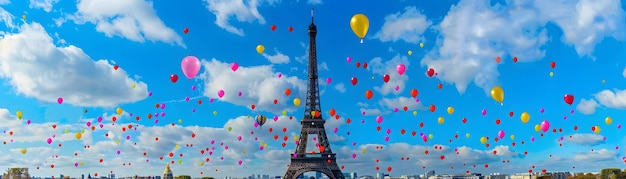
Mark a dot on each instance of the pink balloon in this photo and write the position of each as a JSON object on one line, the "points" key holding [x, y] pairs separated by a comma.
{"points": [[100, 119], [193, 88], [186, 99], [240, 162], [240, 93], [397, 88], [60, 100], [220, 93], [353, 155], [379, 119], [149, 93], [401, 69], [532, 139], [88, 123], [545, 125], [501, 134], [484, 112], [619, 126], [28, 121], [388, 131], [386, 138], [49, 140], [190, 66], [280, 75], [234, 66], [335, 130], [349, 59], [541, 110]]}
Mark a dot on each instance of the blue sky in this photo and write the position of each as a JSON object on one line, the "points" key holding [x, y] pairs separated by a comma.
{"points": [[68, 49]]}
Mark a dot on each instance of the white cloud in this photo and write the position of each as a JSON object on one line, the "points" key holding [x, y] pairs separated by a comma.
{"points": [[377, 67], [472, 35], [585, 23], [277, 58], [46, 5], [37, 68], [7, 18], [401, 102], [612, 99], [259, 86], [596, 155], [408, 26], [241, 10], [340, 87], [4, 2], [373, 112], [314, 2], [323, 67], [38, 132], [585, 139], [587, 106], [135, 20]]}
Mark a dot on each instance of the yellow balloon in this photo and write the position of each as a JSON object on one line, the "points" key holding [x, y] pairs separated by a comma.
{"points": [[410, 52], [177, 146], [201, 163], [597, 130], [440, 120], [415, 113], [421, 44], [230, 129], [78, 135], [551, 74], [248, 116], [180, 161], [483, 140], [537, 127], [119, 111], [296, 101], [23, 150], [512, 137], [284, 113], [467, 135], [360, 24], [497, 94], [525, 117], [133, 86], [82, 163], [450, 110], [66, 131], [608, 120], [603, 81], [82, 131], [430, 136], [215, 113], [180, 121], [260, 49], [295, 138], [19, 114], [265, 145], [312, 113], [244, 151], [363, 151], [117, 142]]}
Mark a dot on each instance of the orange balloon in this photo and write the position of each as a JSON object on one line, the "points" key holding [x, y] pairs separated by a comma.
{"points": [[432, 108], [332, 112], [498, 59], [287, 92], [414, 93], [369, 94], [439, 86]]}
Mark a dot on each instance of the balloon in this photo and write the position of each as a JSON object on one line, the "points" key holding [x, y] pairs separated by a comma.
{"points": [[220, 93], [552, 64], [215, 113], [133, 86], [400, 69], [410, 52], [501, 134], [230, 129], [569, 99], [512, 137], [349, 59], [328, 80], [369, 94], [19, 114], [497, 94], [78, 136], [440, 120], [354, 80], [430, 136], [260, 49], [174, 78], [359, 24], [287, 92], [379, 119], [450, 110], [545, 125], [467, 135], [551, 74], [430, 72], [484, 112], [296, 102], [60, 100], [525, 117], [49, 140], [483, 140], [234, 66], [414, 113], [608, 120], [597, 129], [119, 111], [190, 66], [421, 44], [537, 127], [23, 150], [414, 93]]}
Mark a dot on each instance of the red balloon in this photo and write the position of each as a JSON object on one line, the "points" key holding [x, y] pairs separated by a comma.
{"points": [[186, 30], [388, 169], [174, 78], [273, 27], [354, 80], [290, 29], [414, 93], [369, 94], [116, 67], [515, 59], [430, 72], [552, 64], [358, 64], [569, 99], [386, 78], [364, 65]]}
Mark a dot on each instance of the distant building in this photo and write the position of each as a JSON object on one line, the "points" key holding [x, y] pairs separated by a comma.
{"points": [[469, 176], [557, 175], [497, 176], [167, 173]]}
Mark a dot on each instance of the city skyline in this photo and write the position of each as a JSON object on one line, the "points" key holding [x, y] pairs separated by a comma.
{"points": [[88, 86]]}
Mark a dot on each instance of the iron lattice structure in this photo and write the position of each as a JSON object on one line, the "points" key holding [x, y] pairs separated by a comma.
{"points": [[312, 123]]}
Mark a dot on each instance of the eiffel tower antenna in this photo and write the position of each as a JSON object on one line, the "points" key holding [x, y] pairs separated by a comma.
{"points": [[323, 161], [312, 9]]}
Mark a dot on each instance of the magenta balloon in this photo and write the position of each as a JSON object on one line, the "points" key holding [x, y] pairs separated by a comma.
{"points": [[501, 134], [60, 100], [401, 69], [545, 125], [190, 66], [234, 66]]}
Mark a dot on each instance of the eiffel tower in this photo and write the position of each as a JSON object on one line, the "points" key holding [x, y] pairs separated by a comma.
{"points": [[312, 123]]}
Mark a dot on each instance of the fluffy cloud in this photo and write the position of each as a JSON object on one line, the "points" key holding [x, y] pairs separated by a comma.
{"points": [[608, 98], [135, 20], [259, 85], [401, 102], [407, 26], [372, 112], [37, 68], [3, 2], [277, 58], [341, 87], [377, 67], [585, 139], [587, 106], [314, 2], [6, 17], [472, 35], [596, 155], [37, 132], [241, 10], [46, 5]]}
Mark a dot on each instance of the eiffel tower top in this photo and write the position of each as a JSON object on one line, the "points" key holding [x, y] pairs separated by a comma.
{"points": [[312, 108]]}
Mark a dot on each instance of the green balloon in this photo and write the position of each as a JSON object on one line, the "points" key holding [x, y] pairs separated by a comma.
{"points": [[230, 129]]}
